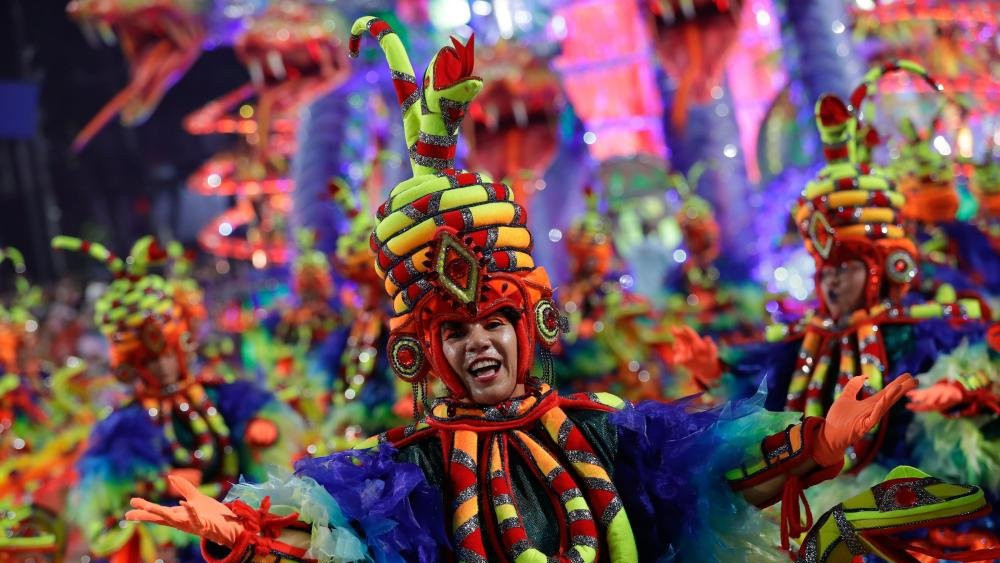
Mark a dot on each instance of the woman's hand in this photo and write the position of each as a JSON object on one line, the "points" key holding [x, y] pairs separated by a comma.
{"points": [[696, 354], [849, 418], [197, 514], [188, 474], [939, 397]]}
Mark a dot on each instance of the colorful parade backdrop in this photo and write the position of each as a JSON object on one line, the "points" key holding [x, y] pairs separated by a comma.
{"points": [[658, 147]]}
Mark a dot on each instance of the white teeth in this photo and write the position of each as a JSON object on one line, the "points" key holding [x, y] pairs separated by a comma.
{"points": [[107, 34], [276, 65], [90, 34], [256, 72], [520, 113], [484, 364]]}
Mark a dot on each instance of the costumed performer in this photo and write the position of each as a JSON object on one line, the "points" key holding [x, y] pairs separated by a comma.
{"points": [[204, 433]]}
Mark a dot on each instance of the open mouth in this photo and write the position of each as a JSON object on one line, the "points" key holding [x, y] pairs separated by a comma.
{"points": [[485, 369], [159, 44]]}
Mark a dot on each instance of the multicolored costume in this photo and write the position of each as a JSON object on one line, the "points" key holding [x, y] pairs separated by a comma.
{"points": [[209, 432], [365, 394], [537, 477], [851, 212], [21, 378], [700, 297]]}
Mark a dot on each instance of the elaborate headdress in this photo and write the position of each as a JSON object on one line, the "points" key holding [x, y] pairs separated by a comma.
{"points": [[311, 269], [137, 312], [449, 244], [926, 177], [696, 219], [589, 238], [850, 211], [353, 253], [183, 287]]}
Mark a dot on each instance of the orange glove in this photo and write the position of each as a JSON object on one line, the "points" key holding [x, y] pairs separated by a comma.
{"points": [[260, 433], [695, 353], [198, 514], [849, 418], [939, 397]]}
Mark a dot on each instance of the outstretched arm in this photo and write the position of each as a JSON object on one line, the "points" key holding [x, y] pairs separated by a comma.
{"points": [[230, 533], [812, 451]]}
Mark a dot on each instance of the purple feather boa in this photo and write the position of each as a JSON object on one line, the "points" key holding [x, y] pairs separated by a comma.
{"points": [[400, 513], [123, 445], [673, 458]]}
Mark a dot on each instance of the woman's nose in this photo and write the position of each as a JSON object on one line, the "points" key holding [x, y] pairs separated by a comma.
{"points": [[478, 339]]}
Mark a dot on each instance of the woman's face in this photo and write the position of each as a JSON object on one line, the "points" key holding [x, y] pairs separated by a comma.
{"points": [[843, 287], [484, 355]]}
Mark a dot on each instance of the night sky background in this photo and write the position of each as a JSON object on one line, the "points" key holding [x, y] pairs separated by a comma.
{"points": [[129, 181]]}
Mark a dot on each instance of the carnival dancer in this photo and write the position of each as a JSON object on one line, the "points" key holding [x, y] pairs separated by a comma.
{"points": [[866, 324], [294, 345], [520, 472], [207, 434], [365, 396]]}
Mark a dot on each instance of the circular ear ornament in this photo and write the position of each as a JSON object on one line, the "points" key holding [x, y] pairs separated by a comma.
{"points": [[547, 321], [152, 337], [407, 358], [900, 267], [126, 373]]}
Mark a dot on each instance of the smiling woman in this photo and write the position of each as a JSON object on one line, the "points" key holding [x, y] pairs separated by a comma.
{"points": [[484, 355]]}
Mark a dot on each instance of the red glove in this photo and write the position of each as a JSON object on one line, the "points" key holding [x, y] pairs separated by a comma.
{"points": [[849, 418], [940, 397], [695, 353]]}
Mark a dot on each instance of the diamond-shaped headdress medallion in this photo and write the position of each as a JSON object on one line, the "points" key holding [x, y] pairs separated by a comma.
{"points": [[821, 234], [457, 269]]}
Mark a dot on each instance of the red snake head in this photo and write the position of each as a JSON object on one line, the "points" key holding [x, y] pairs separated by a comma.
{"points": [[160, 40]]}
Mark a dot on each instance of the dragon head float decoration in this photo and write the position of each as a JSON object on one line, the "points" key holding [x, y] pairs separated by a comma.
{"points": [[160, 40], [513, 131], [691, 39]]}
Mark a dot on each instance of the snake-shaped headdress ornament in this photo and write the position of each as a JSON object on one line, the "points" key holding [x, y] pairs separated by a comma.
{"points": [[450, 245]]}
